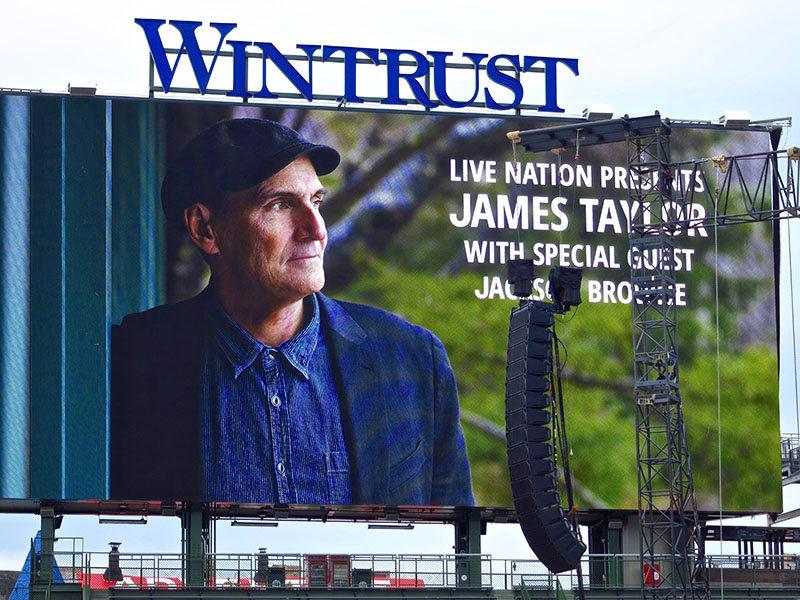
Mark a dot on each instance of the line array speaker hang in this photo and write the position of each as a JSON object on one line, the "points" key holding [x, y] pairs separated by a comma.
{"points": [[531, 463]]}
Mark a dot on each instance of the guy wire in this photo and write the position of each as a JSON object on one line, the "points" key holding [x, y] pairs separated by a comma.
{"points": [[719, 386], [794, 339], [514, 159]]}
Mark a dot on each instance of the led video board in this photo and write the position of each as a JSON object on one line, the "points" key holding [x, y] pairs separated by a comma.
{"points": [[421, 215]]}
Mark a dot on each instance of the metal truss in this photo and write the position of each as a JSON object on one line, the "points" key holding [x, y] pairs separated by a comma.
{"points": [[748, 188], [671, 549]]}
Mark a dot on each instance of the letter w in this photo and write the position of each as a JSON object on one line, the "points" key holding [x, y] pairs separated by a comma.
{"points": [[475, 251], [187, 30]]}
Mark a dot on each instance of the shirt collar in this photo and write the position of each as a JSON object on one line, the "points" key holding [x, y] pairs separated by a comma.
{"points": [[241, 349]]}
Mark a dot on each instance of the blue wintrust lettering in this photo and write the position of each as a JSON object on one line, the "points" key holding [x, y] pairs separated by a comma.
{"points": [[405, 70]]}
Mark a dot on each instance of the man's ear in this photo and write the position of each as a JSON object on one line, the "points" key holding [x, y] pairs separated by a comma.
{"points": [[197, 218]]}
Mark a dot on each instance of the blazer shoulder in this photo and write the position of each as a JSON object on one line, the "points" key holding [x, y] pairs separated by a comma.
{"points": [[372, 320], [165, 320]]}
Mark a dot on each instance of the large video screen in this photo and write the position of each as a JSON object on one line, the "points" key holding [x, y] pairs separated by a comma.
{"points": [[403, 405]]}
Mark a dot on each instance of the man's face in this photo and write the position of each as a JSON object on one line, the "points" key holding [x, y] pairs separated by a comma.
{"points": [[271, 237]]}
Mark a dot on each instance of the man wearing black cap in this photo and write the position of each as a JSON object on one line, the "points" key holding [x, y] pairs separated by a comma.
{"points": [[262, 389]]}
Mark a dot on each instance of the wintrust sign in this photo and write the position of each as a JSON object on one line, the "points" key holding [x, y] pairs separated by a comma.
{"points": [[496, 85]]}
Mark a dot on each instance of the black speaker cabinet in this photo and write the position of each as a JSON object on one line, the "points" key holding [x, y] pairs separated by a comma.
{"points": [[528, 439]]}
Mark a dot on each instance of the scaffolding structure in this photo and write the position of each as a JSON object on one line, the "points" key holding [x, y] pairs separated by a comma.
{"points": [[671, 544], [667, 507]]}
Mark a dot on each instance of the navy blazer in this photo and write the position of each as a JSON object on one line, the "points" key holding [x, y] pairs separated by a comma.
{"points": [[397, 393]]}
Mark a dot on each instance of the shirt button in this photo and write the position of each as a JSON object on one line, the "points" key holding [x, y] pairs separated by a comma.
{"points": [[275, 401], [281, 468]]}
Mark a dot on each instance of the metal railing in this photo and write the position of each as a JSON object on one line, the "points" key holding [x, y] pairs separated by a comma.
{"points": [[790, 454], [599, 571]]}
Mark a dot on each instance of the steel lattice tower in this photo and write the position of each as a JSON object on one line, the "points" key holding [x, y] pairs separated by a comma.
{"points": [[670, 544]]}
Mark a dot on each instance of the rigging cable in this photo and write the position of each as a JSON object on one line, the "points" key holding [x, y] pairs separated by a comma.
{"points": [[558, 155], [514, 159], [719, 386], [791, 182], [793, 310], [560, 425], [559, 422]]}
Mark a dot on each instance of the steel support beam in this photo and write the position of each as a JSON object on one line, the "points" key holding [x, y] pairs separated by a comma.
{"points": [[196, 542], [468, 542]]}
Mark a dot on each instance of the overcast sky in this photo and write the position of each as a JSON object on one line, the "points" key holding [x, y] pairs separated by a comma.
{"points": [[688, 59], [691, 60]]}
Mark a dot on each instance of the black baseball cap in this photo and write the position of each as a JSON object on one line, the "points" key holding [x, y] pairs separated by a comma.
{"points": [[235, 155]]}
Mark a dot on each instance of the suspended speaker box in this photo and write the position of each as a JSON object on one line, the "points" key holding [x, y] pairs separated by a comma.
{"points": [[534, 482]]}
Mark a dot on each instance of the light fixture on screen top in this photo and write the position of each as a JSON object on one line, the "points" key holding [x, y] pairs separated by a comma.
{"points": [[82, 88], [735, 118], [122, 521], [598, 112], [253, 523]]}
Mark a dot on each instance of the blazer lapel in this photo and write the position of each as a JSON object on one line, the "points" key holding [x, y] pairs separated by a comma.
{"points": [[364, 418]]}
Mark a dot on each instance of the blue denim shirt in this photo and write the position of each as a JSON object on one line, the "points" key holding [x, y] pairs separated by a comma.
{"points": [[272, 426]]}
